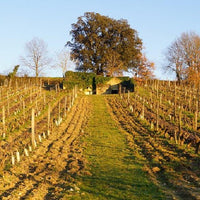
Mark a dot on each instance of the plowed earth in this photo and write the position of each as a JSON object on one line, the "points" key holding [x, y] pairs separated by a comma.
{"points": [[103, 151], [49, 171]]}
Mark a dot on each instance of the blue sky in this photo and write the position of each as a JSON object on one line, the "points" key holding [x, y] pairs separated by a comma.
{"points": [[158, 22]]}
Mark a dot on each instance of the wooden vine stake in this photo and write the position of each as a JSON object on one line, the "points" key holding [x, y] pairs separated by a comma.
{"points": [[65, 106], [157, 116], [185, 93], [151, 96], [175, 102], [3, 119], [13, 159], [142, 112], [120, 90], [189, 102], [124, 91], [16, 84], [44, 135], [26, 152], [180, 123], [40, 87], [39, 138], [197, 111], [24, 110], [134, 103], [157, 89], [17, 156], [33, 128], [128, 96], [48, 120], [73, 92], [29, 148], [152, 126], [36, 104], [56, 88], [7, 95], [44, 98], [160, 99], [76, 88], [195, 117], [59, 111], [8, 107], [69, 107], [31, 95], [71, 101]]}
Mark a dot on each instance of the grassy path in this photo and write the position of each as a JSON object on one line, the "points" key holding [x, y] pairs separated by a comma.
{"points": [[116, 172]]}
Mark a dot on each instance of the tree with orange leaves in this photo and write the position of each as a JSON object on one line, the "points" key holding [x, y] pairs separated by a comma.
{"points": [[145, 68]]}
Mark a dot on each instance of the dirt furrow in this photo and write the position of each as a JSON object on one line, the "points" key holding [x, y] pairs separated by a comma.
{"points": [[160, 157], [42, 171]]}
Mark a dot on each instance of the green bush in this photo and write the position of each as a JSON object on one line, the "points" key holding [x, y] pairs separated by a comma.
{"points": [[84, 80], [101, 80]]}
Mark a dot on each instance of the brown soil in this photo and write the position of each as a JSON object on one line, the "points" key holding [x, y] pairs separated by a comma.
{"points": [[170, 165], [50, 171]]}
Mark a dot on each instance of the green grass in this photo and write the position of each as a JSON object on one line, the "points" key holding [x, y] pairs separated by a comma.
{"points": [[116, 172]]}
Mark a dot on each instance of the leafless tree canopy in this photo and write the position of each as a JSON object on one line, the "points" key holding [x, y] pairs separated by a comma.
{"points": [[175, 55], [63, 60], [183, 57], [36, 56]]}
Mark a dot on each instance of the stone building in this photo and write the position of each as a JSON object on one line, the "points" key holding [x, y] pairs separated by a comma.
{"points": [[111, 87]]}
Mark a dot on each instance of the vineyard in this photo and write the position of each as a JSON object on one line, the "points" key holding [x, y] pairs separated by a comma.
{"points": [[162, 119], [48, 143], [38, 134]]}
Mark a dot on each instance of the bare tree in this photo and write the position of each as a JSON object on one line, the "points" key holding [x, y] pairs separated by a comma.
{"points": [[191, 44], [63, 60], [36, 56], [183, 57], [174, 56]]}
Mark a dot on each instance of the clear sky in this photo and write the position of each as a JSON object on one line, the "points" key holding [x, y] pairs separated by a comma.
{"points": [[158, 22]]}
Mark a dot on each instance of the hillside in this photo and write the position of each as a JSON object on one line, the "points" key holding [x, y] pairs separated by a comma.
{"points": [[61, 144]]}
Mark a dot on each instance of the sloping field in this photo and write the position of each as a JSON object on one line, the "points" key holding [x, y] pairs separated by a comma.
{"points": [[48, 172], [117, 171], [105, 147]]}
